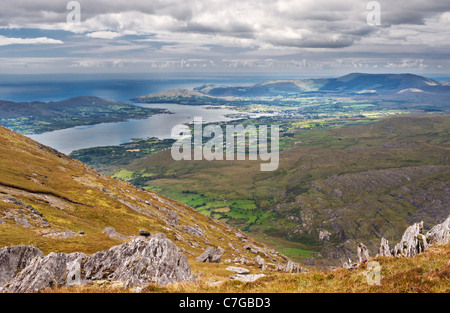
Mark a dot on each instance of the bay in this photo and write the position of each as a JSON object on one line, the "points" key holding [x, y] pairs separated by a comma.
{"points": [[112, 134]]}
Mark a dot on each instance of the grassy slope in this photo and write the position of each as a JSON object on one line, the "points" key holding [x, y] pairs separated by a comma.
{"points": [[72, 196]]}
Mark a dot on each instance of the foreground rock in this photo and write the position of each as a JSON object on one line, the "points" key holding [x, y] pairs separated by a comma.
{"points": [[247, 278], [293, 267], [46, 272], [140, 262], [135, 263], [13, 259], [413, 242], [211, 254], [439, 234], [238, 270]]}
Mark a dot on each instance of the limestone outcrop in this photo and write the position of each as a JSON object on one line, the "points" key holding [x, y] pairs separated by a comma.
{"points": [[13, 259], [414, 241], [439, 234], [136, 263]]}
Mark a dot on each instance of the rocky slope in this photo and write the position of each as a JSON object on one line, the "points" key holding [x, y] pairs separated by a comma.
{"points": [[345, 209], [62, 206], [140, 263]]}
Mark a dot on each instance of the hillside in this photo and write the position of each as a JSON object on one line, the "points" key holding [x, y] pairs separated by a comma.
{"points": [[58, 204], [38, 117]]}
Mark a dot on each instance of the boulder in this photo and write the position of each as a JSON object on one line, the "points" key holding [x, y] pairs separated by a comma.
{"points": [[439, 234], [240, 260], [135, 263], [45, 272], [211, 254], [196, 231], [251, 248], [144, 233], [260, 262], [247, 278], [140, 262], [350, 265], [293, 267], [113, 234], [238, 270], [62, 235]]}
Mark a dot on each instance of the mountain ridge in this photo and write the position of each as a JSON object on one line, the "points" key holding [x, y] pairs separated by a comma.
{"points": [[352, 83], [383, 91]]}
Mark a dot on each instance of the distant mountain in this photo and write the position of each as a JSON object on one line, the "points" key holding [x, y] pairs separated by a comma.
{"points": [[351, 83], [385, 91], [37, 117], [358, 82]]}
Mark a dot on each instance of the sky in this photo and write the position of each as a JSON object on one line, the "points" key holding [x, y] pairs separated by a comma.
{"points": [[307, 37]]}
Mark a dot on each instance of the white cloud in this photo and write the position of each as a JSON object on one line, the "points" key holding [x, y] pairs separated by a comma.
{"points": [[445, 18], [104, 35], [5, 41]]}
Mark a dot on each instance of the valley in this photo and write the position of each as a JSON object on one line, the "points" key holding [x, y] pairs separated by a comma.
{"points": [[398, 163]]}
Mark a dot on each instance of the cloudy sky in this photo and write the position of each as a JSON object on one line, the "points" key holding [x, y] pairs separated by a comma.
{"points": [[314, 37]]}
